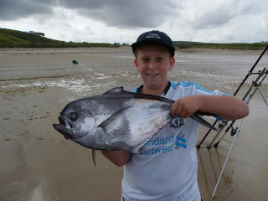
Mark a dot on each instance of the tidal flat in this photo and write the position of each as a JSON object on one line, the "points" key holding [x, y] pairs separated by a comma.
{"points": [[37, 163]]}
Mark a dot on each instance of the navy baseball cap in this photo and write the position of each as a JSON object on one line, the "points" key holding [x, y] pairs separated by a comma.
{"points": [[155, 37]]}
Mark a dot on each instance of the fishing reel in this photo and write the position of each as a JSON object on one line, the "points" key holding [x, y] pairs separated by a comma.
{"points": [[222, 124], [234, 130]]}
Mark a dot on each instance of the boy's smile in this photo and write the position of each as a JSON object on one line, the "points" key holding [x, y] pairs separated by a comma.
{"points": [[153, 62]]}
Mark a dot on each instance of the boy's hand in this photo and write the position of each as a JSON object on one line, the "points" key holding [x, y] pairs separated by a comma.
{"points": [[185, 106]]}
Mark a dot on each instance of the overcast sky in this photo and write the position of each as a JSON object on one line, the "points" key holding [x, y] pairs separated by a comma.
{"points": [[123, 20]]}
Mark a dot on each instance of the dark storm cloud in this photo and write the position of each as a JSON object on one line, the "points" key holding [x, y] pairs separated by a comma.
{"points": [[119, 13], [125, 13], [14, 9]]}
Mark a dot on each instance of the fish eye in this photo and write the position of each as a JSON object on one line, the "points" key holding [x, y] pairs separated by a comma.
{"points": [[73, 116]]}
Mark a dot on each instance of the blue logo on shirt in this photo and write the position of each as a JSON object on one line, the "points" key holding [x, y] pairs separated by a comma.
{"points": [[180, 141]]}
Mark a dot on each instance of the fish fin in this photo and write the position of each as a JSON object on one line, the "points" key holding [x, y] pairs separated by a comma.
{"points": [[202, 121], [120, 90], [152, 97], [115, 90], [94, 157], [105, 124]]}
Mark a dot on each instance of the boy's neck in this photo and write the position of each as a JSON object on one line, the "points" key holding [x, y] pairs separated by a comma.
{"points": [[156, 92]]}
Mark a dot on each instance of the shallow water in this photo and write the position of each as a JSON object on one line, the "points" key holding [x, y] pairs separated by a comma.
{"points": [[38, 164]]}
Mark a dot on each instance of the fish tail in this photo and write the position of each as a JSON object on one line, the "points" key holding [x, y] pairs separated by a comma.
{"points": [[203, 121]]}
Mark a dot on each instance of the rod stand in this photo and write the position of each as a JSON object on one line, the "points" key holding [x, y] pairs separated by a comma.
{"points": [[216, 145], [263, 97], [237, 130]]}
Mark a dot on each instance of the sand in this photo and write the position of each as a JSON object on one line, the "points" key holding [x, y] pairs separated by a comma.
{"points": [[37, 163]]}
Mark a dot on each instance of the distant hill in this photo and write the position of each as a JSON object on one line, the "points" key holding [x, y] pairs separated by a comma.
{"points": [[14, 38], [237, 46]]}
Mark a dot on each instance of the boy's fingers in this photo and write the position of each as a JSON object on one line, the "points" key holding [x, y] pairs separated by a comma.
{"points": [[178, 111], [174, 108], [173, 111], [185, 114]]}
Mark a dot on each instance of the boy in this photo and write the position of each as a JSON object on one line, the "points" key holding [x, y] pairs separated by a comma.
{"points": [[166, 169]]}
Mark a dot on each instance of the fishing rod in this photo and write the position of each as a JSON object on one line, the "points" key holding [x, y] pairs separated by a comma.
{"points": [[250, 71], [235, 93], [254, 85], [221, 126], [224, 123], [236, 131]]}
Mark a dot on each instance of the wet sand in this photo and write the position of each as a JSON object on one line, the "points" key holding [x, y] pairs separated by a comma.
{"points": [[37, 163]]}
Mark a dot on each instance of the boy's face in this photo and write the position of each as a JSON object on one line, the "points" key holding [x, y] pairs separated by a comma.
{"points": [[153, 62]]}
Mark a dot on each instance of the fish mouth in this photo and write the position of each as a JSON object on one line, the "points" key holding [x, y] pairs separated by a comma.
{"points": [[64, 127]]}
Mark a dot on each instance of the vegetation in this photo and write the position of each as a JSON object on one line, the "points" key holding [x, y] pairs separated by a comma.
{"points": [[14, 38], [236, 46]]}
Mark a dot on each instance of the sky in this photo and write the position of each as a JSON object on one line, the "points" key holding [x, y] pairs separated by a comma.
{"points": [[122, 21]]}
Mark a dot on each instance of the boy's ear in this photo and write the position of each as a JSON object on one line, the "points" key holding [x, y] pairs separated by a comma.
{"points": [[136, 64], [171, 63]]}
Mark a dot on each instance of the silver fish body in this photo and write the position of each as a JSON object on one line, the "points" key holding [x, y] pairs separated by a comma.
{"points": [[116, 120]]}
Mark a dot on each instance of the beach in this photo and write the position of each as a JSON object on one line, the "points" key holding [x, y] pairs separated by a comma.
{"points": [[37, 163]]}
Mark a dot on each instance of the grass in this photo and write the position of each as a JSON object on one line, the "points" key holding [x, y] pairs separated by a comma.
{"points": [[14, 38], [235, 46]]}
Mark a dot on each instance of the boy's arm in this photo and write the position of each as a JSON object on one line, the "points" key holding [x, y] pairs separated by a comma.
{"points": [[119, 158], [228, 107]]}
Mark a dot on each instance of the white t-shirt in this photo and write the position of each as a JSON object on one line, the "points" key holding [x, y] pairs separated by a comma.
{"points": [[166, 168]]}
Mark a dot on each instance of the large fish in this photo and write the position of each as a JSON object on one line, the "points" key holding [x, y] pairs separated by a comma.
{"points": [[116, 120]]}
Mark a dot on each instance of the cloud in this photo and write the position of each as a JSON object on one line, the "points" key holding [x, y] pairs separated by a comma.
{"points": [[123, 20], [125, 13], [14, 9], [117, 13], [213, 14]]}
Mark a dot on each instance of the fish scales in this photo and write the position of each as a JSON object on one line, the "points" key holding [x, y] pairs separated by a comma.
{"points": [[116, 120]]}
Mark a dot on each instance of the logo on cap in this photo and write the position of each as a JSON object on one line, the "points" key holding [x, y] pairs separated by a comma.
{"points": [[153, 35]]}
